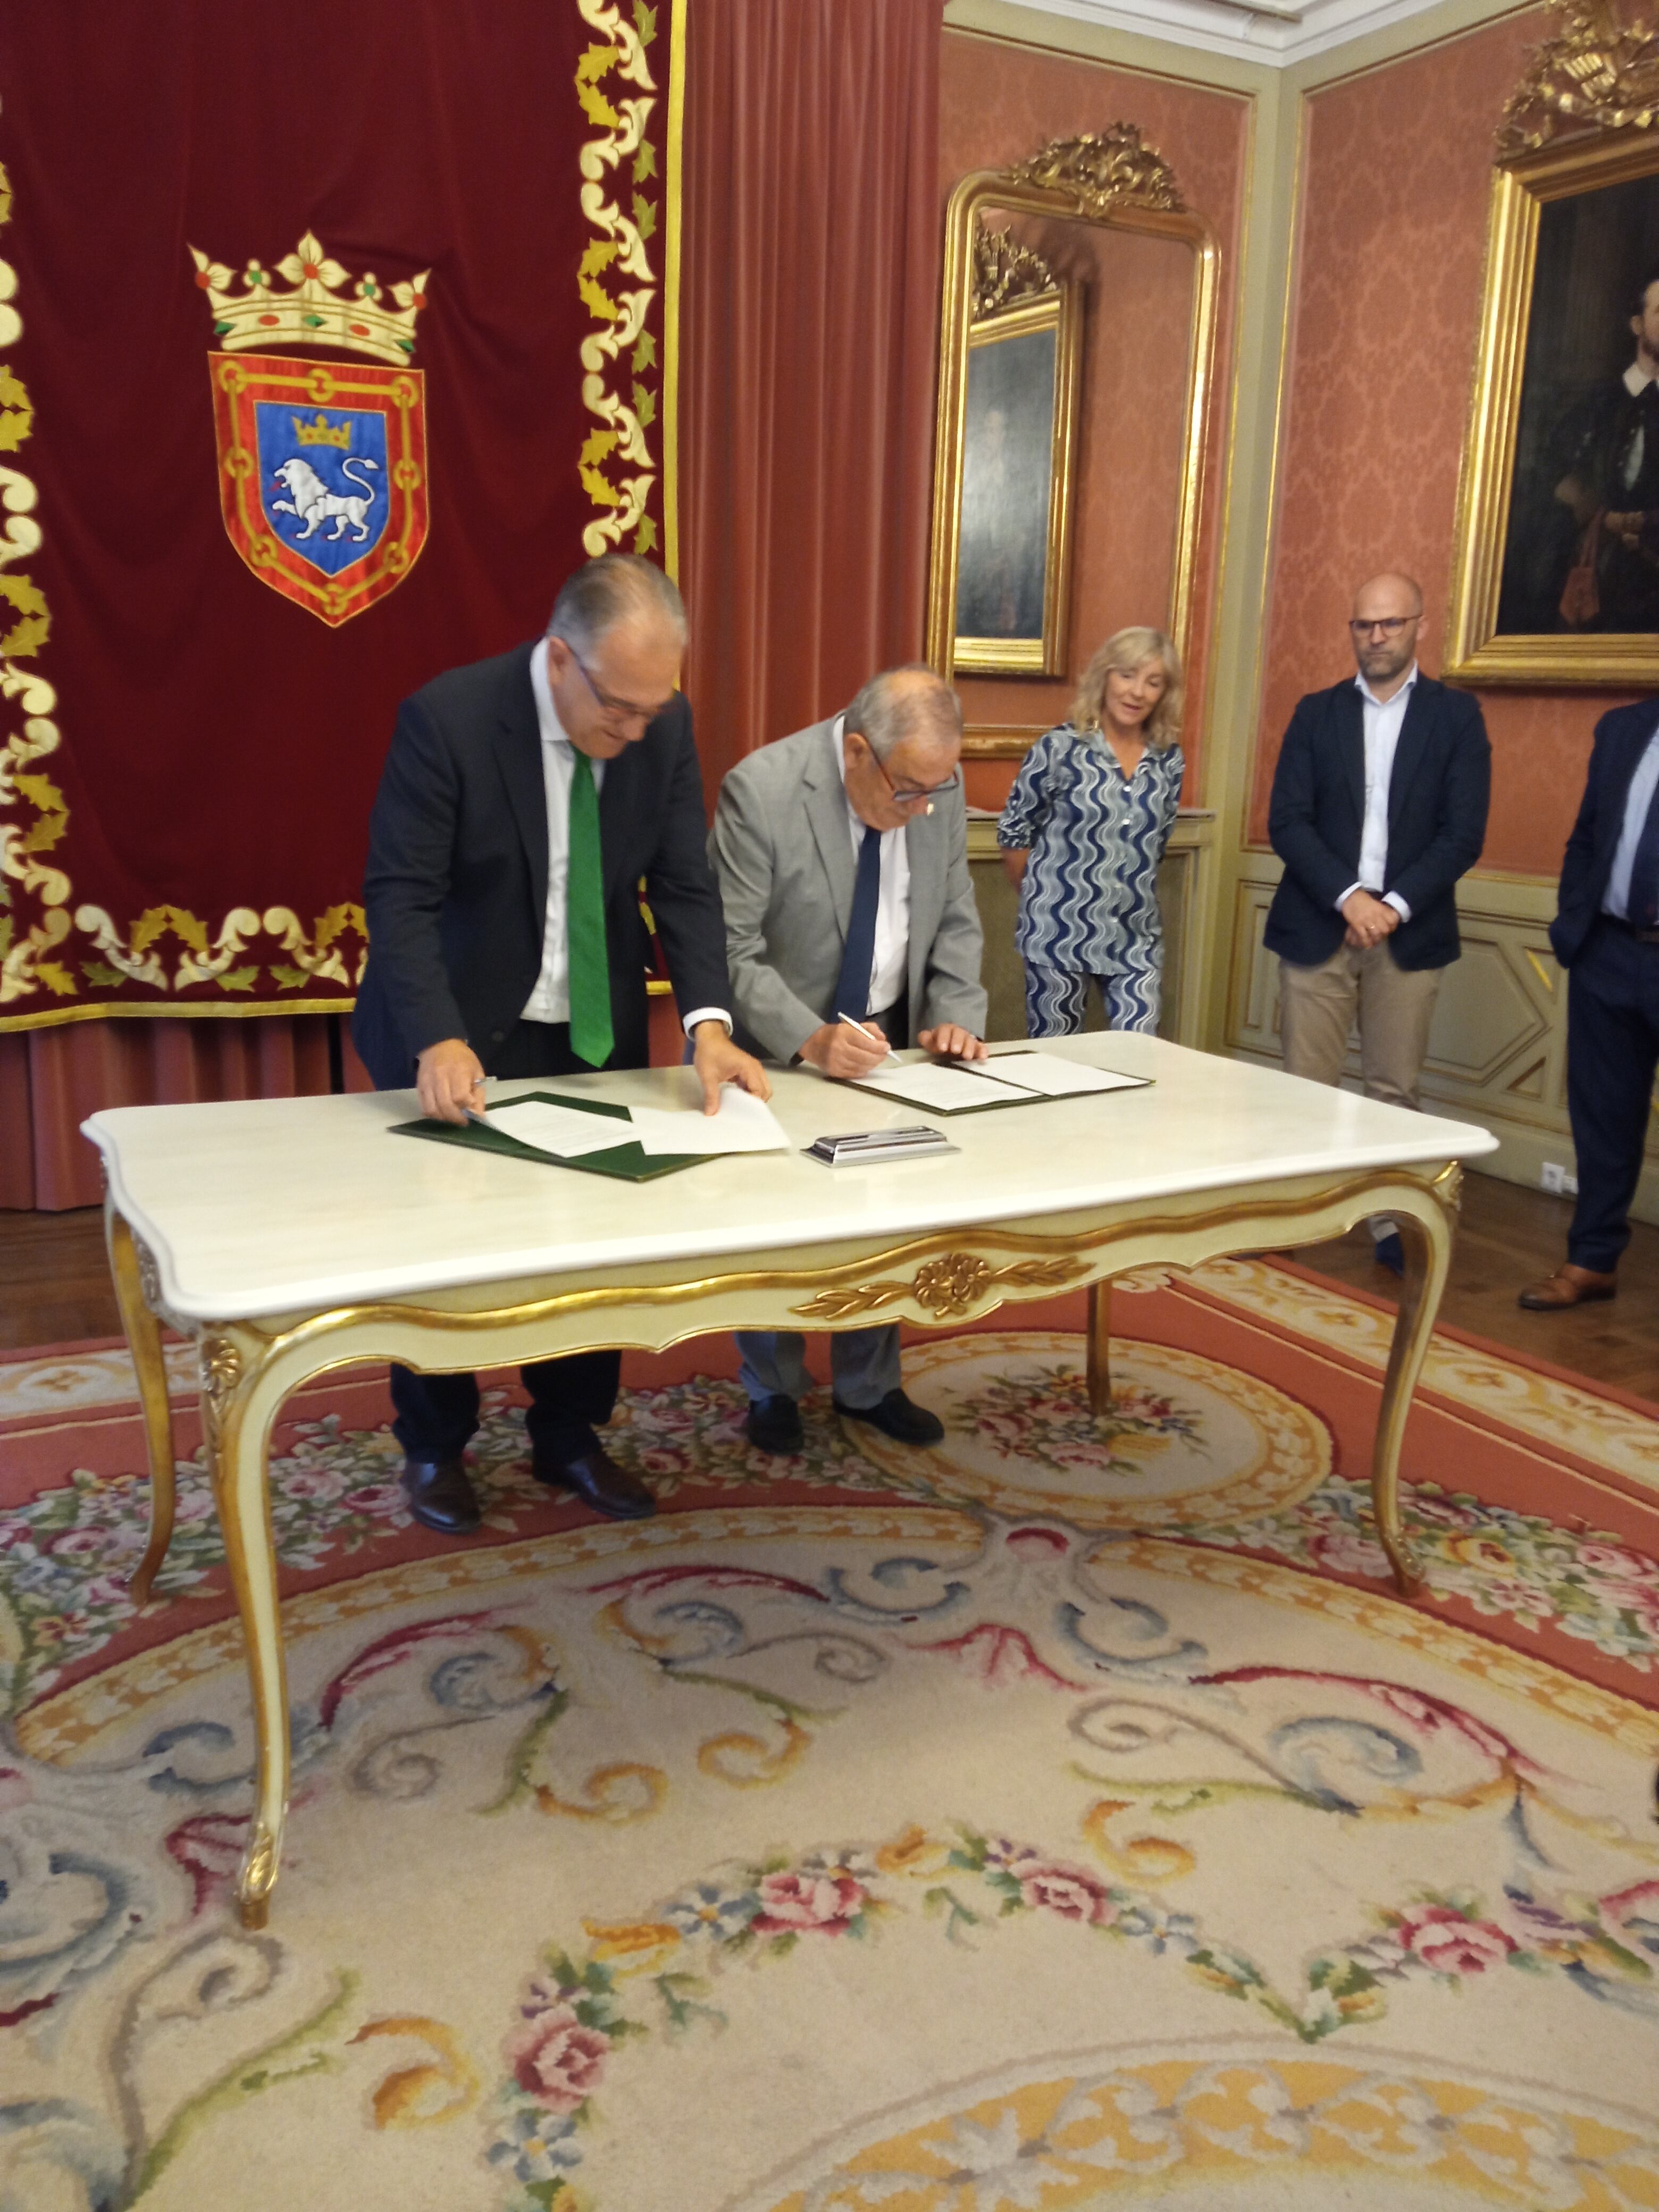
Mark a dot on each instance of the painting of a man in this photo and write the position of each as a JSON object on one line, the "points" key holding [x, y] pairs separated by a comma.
{"points": [[1006, 478], [1582, 551]]}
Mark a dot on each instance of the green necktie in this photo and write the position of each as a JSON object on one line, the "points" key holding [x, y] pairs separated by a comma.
{"points": [[590, 970]]}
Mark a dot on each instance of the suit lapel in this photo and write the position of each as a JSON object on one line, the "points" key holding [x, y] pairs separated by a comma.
{"points": [[1351, 744], [518, 753], [826, 812], [1409, 750]]}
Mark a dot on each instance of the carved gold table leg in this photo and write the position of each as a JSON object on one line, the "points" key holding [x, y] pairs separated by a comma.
{"points": [[143, 1332], [1100, 1349], [236, 1448], [1428, 1256]]}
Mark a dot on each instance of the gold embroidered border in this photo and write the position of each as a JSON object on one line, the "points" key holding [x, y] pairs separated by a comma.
{"points": [[620, 250]]}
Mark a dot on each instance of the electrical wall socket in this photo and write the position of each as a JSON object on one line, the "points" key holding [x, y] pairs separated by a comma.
{"points": [[1556, 1178]]}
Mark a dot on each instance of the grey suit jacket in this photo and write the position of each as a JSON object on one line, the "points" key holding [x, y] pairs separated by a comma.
{"points": [[783, 856]]}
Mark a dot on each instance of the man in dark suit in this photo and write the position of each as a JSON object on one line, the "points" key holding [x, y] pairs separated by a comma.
{"points": [[522, 800], [1379, 806], [1606, 935]]}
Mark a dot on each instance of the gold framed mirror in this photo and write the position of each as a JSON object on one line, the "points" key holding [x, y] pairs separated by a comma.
{"points": [[1039, 289]]}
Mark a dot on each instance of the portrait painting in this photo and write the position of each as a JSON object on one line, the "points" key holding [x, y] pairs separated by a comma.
{"points": [[1557, 578], [1018, 446]]}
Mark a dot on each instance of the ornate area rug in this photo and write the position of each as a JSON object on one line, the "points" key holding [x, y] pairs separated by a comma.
{"points": [[1059, 1820]]}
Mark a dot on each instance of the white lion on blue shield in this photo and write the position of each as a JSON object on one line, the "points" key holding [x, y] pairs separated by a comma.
{"points": [[310, 499]]}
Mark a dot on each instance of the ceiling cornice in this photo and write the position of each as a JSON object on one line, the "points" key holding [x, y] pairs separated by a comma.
{"points": [[1276, 33]]}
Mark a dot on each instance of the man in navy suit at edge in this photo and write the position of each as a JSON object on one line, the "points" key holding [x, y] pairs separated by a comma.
{"points": [[1379, 806], [1606, 935]]}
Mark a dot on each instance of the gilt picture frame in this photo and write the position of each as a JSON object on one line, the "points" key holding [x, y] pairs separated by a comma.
{"points": [[1018, 470], [1555, 565]]}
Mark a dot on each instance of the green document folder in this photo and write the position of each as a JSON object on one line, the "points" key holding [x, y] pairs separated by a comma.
{"points": [[630, 1162]]}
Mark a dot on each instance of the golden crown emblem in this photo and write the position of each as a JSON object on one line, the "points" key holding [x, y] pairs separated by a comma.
{"points": [[320, 432], [317, 311]]}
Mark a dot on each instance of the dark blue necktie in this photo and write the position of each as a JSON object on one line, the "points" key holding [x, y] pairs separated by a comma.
{"points": [[1642, 907], [852, 984]]}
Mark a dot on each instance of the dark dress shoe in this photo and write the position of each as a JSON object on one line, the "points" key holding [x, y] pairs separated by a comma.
{"points": [[440, 1496], [773, 1424], [598, 1480], [1569, 1286], [900, 1417], [1389, 1252]]}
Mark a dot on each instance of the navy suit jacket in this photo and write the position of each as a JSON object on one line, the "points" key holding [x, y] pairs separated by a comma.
{"points": [[456, 884], [1438, 790], [1621, 739]]}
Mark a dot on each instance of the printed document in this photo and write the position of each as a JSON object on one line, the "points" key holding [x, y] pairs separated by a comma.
{"points": [[743, 1125]]}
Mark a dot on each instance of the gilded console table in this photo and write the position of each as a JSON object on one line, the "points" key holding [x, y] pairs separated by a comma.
{"points": [[287, 1237]]}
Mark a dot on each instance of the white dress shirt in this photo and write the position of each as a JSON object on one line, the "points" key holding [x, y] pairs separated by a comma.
{"points": [[1382, 719], [890, 967], [1638, 800], [550, 1000]]}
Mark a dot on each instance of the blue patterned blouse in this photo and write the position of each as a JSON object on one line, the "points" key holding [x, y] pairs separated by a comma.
{"points": [[1095, 839]]}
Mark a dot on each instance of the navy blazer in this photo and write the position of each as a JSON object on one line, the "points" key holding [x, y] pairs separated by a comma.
{"points": [[456, 884], [1438, 790], [1621, 739]]}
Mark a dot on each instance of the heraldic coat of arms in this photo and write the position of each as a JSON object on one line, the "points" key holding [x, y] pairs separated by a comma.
{"points": [[322, 464]]}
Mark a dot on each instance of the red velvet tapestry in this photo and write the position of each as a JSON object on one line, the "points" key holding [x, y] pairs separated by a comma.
{"points": [[330, 340]]}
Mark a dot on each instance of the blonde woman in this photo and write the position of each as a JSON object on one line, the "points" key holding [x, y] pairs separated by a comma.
{"points": [[1083, 833]]}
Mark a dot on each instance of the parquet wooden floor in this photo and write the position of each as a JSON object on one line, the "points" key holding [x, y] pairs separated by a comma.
{"points": [[55, 1289]]}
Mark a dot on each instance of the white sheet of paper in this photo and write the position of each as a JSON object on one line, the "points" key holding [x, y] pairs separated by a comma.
{"points": [[942, 1089], [561, 1130], [1050, 1077], [743, 1125]]}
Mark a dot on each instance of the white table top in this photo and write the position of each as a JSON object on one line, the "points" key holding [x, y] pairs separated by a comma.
{"points": [[277, 1206]]}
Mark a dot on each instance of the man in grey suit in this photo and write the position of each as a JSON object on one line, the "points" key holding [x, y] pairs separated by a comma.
{"points": [[842, 855]]}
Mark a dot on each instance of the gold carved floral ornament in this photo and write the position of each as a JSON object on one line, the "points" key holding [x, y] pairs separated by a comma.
{"points": [[1104, 171], [947, 1287], [1006, 272], [1599, 72]]}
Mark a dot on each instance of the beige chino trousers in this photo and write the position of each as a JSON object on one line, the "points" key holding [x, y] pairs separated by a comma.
{"points": [[1394, 1006]]}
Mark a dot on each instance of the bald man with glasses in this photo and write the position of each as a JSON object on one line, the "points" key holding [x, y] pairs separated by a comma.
{"points": [[842, 855], [1379, 806]]}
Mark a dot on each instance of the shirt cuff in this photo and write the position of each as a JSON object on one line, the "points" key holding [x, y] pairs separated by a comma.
{"points": [[1393, 899], [1347, 894], [707, 1014]]}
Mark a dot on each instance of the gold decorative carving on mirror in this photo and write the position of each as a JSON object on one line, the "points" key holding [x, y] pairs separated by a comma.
{"points": [[1104, 171], [1555, 556], [1004, 272], [1113, 179], [1599, 72]]}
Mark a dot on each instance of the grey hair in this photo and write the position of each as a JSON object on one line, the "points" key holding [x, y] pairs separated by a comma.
{"points": [[894, 706], [616, 587]]}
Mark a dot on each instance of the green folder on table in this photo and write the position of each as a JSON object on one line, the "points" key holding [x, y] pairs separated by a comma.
{"points": [[628, 1161]]}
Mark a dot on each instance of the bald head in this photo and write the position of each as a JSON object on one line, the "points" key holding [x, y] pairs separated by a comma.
{"points": [[901, 738], [1387, 612]]}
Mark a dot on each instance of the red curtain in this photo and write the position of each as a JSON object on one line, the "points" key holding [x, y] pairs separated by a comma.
{"points": [[808, 320]]}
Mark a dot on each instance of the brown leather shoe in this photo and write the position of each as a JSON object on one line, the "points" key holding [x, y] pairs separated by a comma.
{"points": [[440, 1496], [1569, 1286], [598, 1481]]}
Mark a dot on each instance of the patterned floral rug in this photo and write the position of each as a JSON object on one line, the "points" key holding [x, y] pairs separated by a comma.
{"points": [[1060, 1819]]}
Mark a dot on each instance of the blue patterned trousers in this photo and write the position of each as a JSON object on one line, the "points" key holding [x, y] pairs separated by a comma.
{"points": [[1055, 998]]}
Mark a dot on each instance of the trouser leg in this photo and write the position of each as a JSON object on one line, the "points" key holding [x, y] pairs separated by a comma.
{"points": [[437, 1414], [1055, 1001], [1397, 1007], [1132, 995], [1613, 1047], [569, 1398], [773, 1364], [865, 1365], [1316, 1009]]}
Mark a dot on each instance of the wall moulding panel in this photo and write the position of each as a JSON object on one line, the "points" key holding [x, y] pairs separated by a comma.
{"points": [[1497, 1049]]}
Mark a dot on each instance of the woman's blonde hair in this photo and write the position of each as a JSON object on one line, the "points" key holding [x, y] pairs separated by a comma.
{"points": [[1125, 650]]}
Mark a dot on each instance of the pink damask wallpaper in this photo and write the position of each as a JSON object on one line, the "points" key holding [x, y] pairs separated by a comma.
{"points": [[1385, 312], [999, 102]]}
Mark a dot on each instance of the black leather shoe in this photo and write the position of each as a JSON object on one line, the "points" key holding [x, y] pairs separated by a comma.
{"points": [[773, 1424], [598, 1480], [900, 1417], [440, 1496]]}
